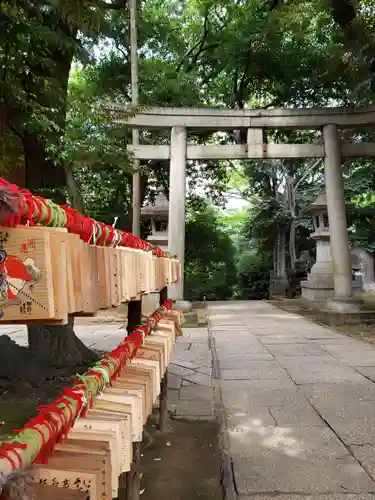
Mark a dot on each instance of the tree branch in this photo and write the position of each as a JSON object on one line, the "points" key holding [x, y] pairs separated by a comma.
{"points": [[307, 173], [344, 13], [199, 45], [273, 4]]}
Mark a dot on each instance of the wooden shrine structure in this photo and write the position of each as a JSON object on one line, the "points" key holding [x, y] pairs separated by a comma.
{"points": [[54, 262]]}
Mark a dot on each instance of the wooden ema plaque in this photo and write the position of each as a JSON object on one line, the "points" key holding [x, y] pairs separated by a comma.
{"points": [[129, 274], [103, 270], [137, 374], [125, 427], [168, 336], [119, 273], [153, 355], [169, 326], [134, 272], [132, 399], [141, 256], [110, 438], [99, 422], [154, 368], [92, 449], [119, 410], [123, 253], [26, 282], [47, 492], [146, 271], [114, 276], [134, 385], [75, 246], [135, 393], [65, 461], [62, 271], [153, 274], [84, 278], [157, 341], [177, 317], [114, 402], [89, 279], [138, 385], [73, 473]]}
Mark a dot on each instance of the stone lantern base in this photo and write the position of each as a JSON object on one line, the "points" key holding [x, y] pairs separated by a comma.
{"points": [[321, 293]]}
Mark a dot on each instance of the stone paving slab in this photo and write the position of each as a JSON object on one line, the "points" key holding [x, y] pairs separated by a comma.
{"points": [[301, 420], [367, 371], [234, 361], [366, 457], [190, 391], [354, 422], [200, 379], [315, 369], [295, 460], [243, 395], [301, 414], [326, 395], [295, 349], [244, 420], [255, 370]]}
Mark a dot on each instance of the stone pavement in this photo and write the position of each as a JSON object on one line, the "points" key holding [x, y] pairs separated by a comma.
{"points": [[190, 389], [299, 404]]}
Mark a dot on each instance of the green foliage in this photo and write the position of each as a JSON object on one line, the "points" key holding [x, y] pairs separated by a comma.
{"points": [[210, 270], [38, 40], [90, 138]]}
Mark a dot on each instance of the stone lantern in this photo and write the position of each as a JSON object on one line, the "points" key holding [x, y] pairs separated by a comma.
{"points": [[319, 286], [158, 214]]}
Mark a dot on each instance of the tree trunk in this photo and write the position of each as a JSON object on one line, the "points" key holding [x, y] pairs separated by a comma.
{"points": [[292, 244], [40, 171], [281, 271], [56, 343], [291, 202], [59, 345], [73, 190]]}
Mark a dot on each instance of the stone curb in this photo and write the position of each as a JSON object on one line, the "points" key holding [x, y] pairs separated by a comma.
{"points": [[227, 479]]}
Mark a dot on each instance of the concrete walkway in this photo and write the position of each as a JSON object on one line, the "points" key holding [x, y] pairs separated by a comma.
{"points": [[299, 404]]}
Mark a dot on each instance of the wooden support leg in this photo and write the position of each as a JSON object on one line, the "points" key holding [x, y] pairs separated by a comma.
{"points": [[163, 406], [133, 479], [134, 314], [122, 486], [163, 295]]}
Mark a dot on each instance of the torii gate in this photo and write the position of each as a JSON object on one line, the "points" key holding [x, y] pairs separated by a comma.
{"points": [[256, 121]]}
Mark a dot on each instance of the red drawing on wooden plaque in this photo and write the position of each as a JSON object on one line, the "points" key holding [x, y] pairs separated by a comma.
{"points": [[16, 278]]}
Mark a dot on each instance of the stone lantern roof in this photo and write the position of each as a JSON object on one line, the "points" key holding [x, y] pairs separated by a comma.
{"points": [[160, 209], [319, 206], [316, 207]]}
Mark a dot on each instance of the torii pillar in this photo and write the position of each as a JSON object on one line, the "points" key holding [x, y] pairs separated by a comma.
{"points": [[343, 300], [177, 195]]}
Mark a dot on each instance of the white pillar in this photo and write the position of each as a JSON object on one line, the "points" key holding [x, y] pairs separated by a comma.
{"points": [[177, 193], [342, 274]]}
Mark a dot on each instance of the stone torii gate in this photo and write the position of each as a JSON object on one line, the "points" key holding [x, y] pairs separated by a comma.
{"points": [[256, 121]]}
